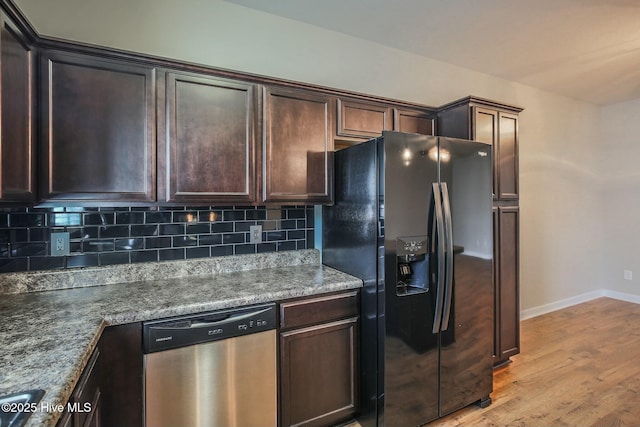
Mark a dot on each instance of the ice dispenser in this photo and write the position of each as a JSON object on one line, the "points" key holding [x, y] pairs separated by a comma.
{"points": [[412, 263]]}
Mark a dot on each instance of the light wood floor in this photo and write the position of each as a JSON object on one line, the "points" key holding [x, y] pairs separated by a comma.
{"points": [[579, 366]]}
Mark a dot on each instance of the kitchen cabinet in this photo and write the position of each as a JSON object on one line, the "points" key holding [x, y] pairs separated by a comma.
{"points": [[500, 129], [122, 375], [17, 115], [84, 407], [319, 353], [297, 143], [507, 158], [506, 275], [97, 129], [359, 121], [496, 124], [207, 126], [414, 121], [492, 123], [109, 391]]}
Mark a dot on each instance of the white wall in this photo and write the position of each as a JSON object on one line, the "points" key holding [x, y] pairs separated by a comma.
{"points": [[620, 160], [559, 145]]}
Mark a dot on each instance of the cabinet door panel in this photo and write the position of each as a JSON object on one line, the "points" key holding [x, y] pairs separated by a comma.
{"points": [[496, 286], [414, 122], [297, 143], [86, 396], [507, 161], [122, 375], [98, 134], [360, 120], [319, 374], [485, 129], [508, 283], [16, 121], [210, 133]]}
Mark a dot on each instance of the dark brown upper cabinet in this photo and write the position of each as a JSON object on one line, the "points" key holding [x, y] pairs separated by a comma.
{"points": [[297, 143], [414, 121], [17, 162], [206, 127], [493, 123], [507, 165], [98, 130], [358, 121]]}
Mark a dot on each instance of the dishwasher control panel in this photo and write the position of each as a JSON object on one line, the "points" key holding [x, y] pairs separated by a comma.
{"points": [[187, 330]]}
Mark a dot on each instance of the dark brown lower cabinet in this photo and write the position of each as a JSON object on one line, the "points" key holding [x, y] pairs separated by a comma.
{"points": [[122, 375], [506, 279], [84, 408], [319, 360], [109, 391]]}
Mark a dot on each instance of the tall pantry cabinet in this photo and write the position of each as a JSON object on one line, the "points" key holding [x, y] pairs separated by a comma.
{"points": [[496, 124]]}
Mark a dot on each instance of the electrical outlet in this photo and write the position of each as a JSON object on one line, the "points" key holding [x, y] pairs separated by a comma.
{"points": [[59, 244], [255, 234], [628, 275]]}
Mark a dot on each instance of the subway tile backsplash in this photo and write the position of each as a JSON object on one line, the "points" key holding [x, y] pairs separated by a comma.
{"points": [[106, 236]]}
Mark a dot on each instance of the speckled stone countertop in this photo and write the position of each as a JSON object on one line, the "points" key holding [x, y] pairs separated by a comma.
{"points": [[46, 337]]}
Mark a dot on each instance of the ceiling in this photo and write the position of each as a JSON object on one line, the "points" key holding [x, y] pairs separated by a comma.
{"points": [[584, 49]]}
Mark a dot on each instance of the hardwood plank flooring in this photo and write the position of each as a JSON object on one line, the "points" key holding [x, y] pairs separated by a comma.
{"points": [[579, 366]]}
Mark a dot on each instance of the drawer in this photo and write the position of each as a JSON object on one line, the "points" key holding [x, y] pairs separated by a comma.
{"points": [[319, 309]]}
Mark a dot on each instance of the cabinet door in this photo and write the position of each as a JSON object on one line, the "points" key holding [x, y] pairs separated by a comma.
{"points": [[507, 160], [122, 375], [499, 129], [485, 129], [66, 420], [506, 279], [85, 399], [98, 129], [414, 122], [297, 144], [318, 371], [17, 116], [210, 140], [496, 286], [362, 121]]}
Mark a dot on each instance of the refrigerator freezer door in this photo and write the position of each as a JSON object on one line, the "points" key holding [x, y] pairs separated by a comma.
{"points": [[466, 345]]}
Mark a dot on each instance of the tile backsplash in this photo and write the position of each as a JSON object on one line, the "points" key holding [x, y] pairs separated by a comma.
{"points": [[107, 236]]}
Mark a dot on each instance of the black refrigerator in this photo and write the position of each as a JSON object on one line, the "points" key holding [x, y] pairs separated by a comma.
{"points": [[412, 218]]}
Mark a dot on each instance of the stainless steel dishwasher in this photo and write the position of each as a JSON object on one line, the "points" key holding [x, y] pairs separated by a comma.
{"points": [[212, 369]]}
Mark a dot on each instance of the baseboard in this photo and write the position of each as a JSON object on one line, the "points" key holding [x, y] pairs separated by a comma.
{"points": [[622, 296], [578, 299], [558, 305]]}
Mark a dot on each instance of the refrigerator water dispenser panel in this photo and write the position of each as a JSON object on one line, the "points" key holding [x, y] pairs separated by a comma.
{"points": [[412, 262]]}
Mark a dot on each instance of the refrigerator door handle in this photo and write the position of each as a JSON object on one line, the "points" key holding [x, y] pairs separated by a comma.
{"points": [[448, 294], [437, 198]]}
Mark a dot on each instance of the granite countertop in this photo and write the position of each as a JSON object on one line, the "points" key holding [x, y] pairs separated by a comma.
{"points": [[46, 337]]}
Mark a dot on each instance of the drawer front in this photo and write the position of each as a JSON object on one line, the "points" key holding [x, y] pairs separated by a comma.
{"points": [[326, 308]]}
